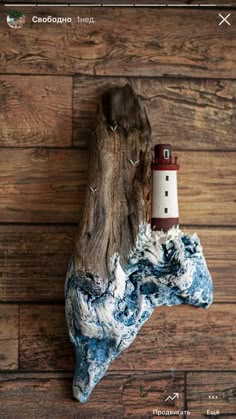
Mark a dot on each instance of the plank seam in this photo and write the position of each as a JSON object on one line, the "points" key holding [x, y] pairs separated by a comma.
{"points": [[69, 224], [73, 114], [127, 76], [116, 372], [185, 392], [84, 148], [18, 352], [61, 301]]}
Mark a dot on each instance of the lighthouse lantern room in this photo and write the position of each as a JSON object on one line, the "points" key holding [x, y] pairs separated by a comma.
{"points": [[165, 211]]}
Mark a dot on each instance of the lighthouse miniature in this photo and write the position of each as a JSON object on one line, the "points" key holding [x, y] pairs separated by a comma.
{"points": [[165, 211]]}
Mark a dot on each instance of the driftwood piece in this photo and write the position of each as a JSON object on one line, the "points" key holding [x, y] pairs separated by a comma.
{"points": [[121, 269], [118, 196]]}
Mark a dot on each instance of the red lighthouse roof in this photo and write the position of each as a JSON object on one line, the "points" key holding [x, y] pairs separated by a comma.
{"points": [[163, 158]]}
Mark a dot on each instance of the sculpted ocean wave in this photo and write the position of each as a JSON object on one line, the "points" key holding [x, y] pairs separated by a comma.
{"points": [[104, 318]]}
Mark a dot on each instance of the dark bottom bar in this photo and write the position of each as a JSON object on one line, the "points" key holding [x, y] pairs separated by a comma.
{"points": [[164, 223]]}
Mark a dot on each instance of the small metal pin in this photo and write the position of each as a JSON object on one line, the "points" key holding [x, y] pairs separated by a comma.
{"points": [[93, 190], [134, 163], [113, 127]]}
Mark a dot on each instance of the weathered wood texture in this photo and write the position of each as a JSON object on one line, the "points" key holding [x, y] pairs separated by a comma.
{"points": [[35, 111], [112, 214], [33, 261], [111, 45], [118, 395], [189, 114], [48, 185], [32, 258], [202, 112], [178, 338], [207, 188], [180, 73], [9, 325], [201, 385], [44, 343], [42, 185], [192, 2], [171, 2]]}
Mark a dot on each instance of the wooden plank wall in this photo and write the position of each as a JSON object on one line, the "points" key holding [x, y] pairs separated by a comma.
{"points": [[138, 2], [182, 64]]}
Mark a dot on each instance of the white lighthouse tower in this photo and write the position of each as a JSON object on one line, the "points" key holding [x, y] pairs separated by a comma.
{"points": [[165, 210]]}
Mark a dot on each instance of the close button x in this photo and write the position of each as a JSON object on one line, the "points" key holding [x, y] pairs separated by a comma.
{"points": [[224, 19]]}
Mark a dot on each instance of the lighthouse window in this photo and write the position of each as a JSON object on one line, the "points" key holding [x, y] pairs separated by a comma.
{"points": [[167, 177], [166, 210], [166, 193], [166, 153]]}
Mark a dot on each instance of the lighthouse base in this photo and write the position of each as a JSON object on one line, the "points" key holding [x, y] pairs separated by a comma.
{"points": [[164, 223]]}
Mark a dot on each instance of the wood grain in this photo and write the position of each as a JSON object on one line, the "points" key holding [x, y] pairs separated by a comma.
{"points": [[57, 2], [189, 114], [118, 395], [48, 185], [9, 336], [32, 258], [223, 276], [181, 74], [202, 384], [172, 2], [112, 214], [218, 247], [217, 243], [174, 338], [42, 185], [143, 393], [35, 111], [202, 112], [180, 337], [44, 343], [206, 188], [33, 261], [186, 44]]}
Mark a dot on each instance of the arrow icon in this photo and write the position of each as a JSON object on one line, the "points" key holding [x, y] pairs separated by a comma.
{"points": [[175, 396]]}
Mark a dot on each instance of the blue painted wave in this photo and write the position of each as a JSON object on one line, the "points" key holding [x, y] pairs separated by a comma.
{"points": [[104, 318]]}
